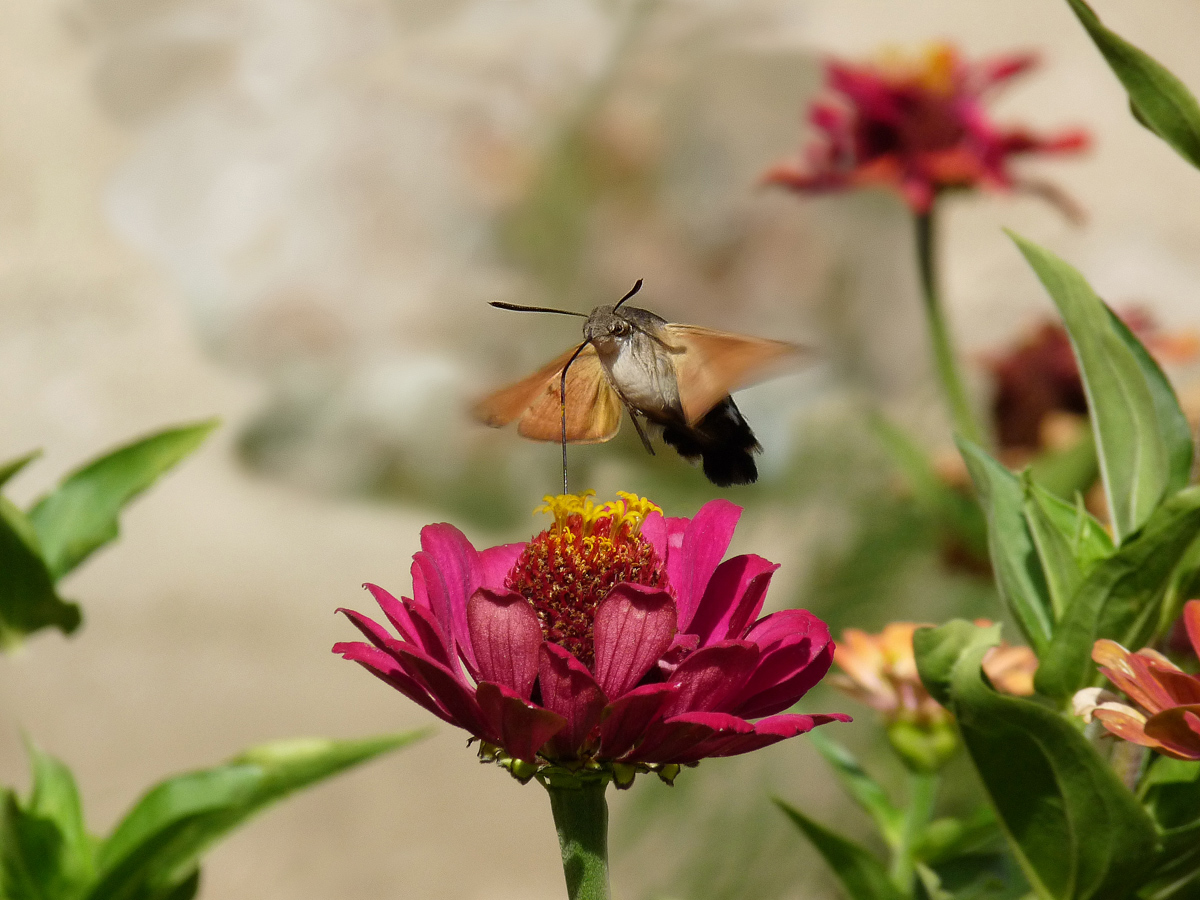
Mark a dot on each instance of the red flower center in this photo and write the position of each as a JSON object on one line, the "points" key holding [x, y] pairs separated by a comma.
{"points": [[568, 569]]}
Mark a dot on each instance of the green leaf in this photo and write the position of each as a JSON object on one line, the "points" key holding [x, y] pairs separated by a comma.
{"points": [[1159, 100], [1018, 568], [861, 874], [1069, 471], [82, 514], [157, 846], [28, 600], [1121, 598], [55, 798], [862, 788], [947, 838], [1076, 831], [13, 466], [1142, 437]]}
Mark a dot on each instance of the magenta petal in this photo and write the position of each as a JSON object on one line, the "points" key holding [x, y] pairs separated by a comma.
{"points": [[634, 626], [569, 689], [627, 719], [496, 562], [505, 635], [763, 734], [371, 630], [704, 544], [733, 599], [385, 667], [448, 689], [449, 570], [712, 678], [523, 726], [415, 624], [789, 666], [675, 740]]}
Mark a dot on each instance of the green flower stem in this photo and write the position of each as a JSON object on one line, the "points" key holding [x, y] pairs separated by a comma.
{"points": [[581, 817], [922, 792], [939, 332]]}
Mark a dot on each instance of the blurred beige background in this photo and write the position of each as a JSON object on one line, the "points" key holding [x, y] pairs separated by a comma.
{"points": [[290, 213]]}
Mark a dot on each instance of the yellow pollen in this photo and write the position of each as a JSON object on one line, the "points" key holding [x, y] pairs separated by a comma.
{"points": [[623, 514]]}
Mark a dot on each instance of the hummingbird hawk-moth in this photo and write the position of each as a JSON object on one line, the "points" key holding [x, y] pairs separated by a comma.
{"points": [[677, 378]]}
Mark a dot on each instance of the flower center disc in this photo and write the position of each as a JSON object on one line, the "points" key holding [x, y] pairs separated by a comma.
{"points": [[568, 569]]}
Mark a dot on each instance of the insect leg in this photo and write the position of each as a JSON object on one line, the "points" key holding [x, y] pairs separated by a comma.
{"points": [[641, 433]]}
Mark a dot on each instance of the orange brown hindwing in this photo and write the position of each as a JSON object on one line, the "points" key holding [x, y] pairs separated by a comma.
{"points": [[593, 407], [710, 365]]}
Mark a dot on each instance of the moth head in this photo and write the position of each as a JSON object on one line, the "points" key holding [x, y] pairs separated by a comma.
{"points": [[605, 326]]}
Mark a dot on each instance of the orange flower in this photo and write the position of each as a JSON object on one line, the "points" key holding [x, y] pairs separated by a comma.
{"points": [[1167, 715], [881, 671]]}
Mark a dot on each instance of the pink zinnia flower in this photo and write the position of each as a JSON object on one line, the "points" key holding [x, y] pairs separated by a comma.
{"points": [[918, 126], [1167, 715], [615, 640]]}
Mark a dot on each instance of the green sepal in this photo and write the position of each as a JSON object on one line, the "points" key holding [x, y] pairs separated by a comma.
{"points": [[923, 748]]}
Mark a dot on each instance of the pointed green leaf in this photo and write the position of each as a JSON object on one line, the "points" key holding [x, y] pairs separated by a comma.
{"points": [[1121, 598], [1142, 437], [1159, 100], [157, 846], [861, 874], [13, 466], [55, 798], [28, 600], [82, 514], [1077, 832], [1012, 548], [1069, 542], [862, 788]]}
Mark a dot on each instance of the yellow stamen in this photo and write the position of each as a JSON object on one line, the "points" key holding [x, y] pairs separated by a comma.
{"points": [[627, 512]]}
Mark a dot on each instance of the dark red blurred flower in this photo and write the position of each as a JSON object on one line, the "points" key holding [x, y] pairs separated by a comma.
{"points": [[1038, 380], [616, 636], [918, 126], [1167, 715]]}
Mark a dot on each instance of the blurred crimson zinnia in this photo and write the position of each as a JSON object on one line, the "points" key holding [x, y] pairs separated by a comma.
{"points": [[1168, 719], [918, 126], [615, 641]]}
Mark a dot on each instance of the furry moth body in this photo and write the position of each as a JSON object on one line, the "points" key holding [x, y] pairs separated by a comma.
{"points": [[677, 378]]}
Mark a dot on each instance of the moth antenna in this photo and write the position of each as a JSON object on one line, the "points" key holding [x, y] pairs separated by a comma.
{"points": [[515, 308], [637, 286], [562, 408]]}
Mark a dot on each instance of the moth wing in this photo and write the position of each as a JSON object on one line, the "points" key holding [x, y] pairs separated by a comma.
{"points": [[593, 407], [709, 364], [508, 403]]}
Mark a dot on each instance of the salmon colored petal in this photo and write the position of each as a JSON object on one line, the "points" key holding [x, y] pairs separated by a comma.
{"points": [[1191, 621], [1125, 722], [1177, 735], [569, 690], [634, 626], [523, 727], [505, 635]]}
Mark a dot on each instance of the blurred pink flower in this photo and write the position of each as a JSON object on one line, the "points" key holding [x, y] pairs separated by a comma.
{"points": [[614, 636], [1167, 716], [919, 126]]}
